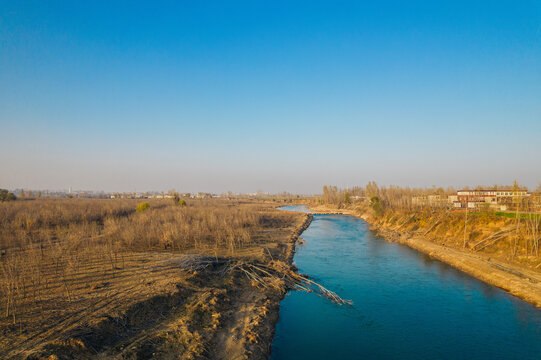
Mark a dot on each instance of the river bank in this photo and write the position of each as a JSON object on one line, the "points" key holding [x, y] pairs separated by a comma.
{"points": [[268, 324], [164, 302], [520, 281]]}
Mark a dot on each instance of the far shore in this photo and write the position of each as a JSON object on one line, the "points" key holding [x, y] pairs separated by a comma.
{"points": [[519, 281]]}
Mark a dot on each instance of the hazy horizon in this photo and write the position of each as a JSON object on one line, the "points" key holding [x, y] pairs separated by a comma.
{"points": [[243, 96]]}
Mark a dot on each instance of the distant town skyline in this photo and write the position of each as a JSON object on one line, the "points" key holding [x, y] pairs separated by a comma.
{"points": [[243, 96], [437, 189]]}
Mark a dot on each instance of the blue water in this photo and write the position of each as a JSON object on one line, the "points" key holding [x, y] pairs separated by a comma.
{"points": [[406, 305]]}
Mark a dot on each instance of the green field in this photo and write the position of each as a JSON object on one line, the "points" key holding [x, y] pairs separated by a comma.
{"points": [[509, 214], [513, 215]]}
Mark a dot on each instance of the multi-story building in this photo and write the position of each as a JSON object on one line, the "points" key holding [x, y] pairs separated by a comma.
{"points": [[496, 198]]}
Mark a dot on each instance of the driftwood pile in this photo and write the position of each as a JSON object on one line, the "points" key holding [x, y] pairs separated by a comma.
{"points": [[275, 275]]}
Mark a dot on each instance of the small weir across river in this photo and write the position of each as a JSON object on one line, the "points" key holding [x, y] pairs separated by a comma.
{"points": [[406, 305]]}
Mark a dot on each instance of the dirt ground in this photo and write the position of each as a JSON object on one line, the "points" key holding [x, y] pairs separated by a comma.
{"points": [[150, 307]]}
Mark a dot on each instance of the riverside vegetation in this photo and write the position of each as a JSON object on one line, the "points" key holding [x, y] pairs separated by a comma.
{"points": [[202, 279], [88, 278], [498, 247]]}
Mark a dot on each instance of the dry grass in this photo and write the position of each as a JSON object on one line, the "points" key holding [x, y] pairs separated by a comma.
{"points": [[484, 232], [67, 263]]}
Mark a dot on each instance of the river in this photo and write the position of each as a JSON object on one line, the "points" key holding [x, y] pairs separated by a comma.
{"points": [[406, 305]]}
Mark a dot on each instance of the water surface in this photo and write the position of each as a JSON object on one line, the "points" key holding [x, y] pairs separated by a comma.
{"points": [[406, 305]]}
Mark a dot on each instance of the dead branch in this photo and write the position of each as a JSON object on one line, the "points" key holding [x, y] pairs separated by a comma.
{"points": [[275, 275]]}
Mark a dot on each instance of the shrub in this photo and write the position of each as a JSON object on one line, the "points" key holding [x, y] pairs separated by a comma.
{"points": [[177, 200], [6, 195], [375, 204], [142, 206]]}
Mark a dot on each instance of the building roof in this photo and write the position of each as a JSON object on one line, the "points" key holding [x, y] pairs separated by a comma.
{"points": [[497, 190]]}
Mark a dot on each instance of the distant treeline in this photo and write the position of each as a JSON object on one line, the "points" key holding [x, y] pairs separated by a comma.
{"points": [[398, 197], [515, 233]]}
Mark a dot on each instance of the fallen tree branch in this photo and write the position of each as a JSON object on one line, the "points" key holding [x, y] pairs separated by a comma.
{"points": [[275, 275], [494, 237]]}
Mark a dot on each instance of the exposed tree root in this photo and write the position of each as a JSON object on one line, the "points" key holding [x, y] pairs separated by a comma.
{"points": [[275, 275]]}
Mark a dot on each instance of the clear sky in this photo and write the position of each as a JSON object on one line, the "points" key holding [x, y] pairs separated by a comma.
{"points": [[270, 95]]}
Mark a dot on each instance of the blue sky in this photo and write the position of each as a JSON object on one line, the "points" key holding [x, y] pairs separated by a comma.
{"points": [[281, 95]]}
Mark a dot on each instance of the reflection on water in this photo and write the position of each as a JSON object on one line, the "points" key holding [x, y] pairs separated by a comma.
{"points": [[407, 305]]}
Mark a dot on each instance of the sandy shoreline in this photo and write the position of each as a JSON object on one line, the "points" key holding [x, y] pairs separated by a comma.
{"points": [[515, 279]]}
